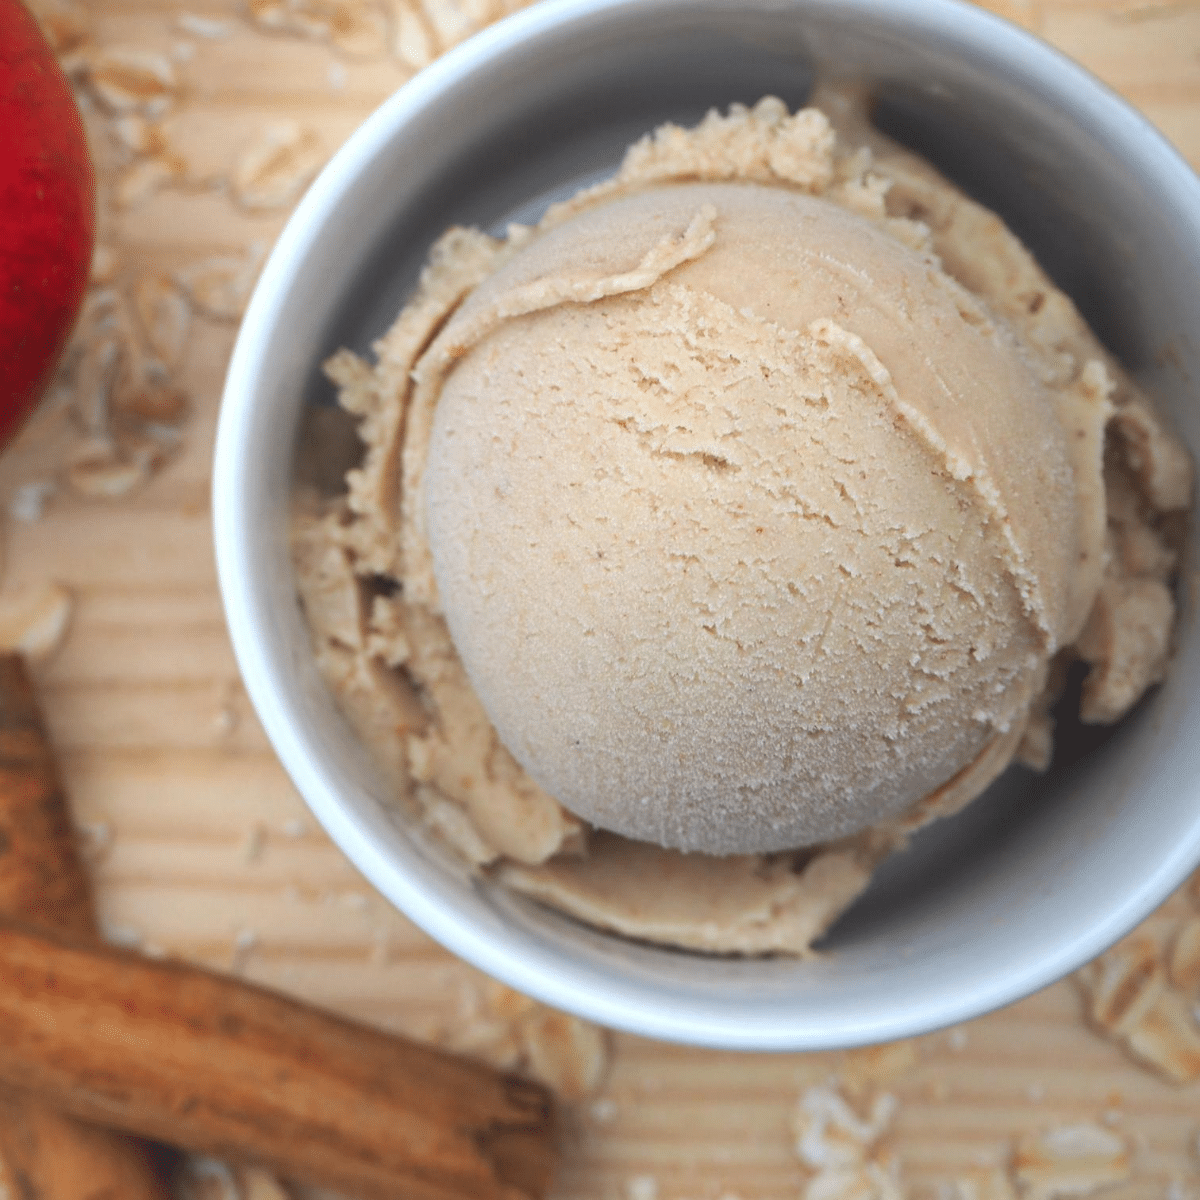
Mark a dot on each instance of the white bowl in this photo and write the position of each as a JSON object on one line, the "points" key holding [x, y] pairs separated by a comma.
{"points": [[1039, 874]]}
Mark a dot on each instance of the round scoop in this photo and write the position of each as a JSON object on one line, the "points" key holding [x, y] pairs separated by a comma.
{"points": [[750, 526]]}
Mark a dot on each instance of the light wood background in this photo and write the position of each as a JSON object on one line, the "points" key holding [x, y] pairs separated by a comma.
{"points": [[201, 846]]}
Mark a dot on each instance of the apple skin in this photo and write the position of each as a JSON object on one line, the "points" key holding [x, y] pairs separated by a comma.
{"points": [[47, 214]]}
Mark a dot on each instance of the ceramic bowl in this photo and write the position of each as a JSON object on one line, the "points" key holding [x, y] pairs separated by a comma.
{"points": [[1039, 874]]}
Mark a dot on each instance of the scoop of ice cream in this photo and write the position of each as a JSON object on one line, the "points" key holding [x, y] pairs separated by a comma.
{"points": [[366, 573], [750, 525]]}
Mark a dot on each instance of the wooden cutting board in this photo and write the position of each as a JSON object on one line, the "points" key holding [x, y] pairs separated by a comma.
{"points": [[207, 121]]}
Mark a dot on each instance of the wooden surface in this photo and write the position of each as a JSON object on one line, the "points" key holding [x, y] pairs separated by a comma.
{"points": [[201, 847]]}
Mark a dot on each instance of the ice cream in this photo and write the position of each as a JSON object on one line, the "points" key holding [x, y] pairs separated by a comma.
{"points": [[731, 524]]}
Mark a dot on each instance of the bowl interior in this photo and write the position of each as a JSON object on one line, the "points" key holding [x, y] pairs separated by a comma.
{"points": [[1038, 874]]}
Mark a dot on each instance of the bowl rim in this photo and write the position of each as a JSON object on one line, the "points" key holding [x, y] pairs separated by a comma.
{"points": [[265, 679]]}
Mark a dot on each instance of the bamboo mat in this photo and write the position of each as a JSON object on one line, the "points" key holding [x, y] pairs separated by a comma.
{"points": [[207, 122]]}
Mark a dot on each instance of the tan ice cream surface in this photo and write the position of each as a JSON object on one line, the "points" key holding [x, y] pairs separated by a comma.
{"points": [[759, 554], [741, 506]]}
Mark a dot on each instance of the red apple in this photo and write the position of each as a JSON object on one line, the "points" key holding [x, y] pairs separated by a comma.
{"points": [[47, 214]]}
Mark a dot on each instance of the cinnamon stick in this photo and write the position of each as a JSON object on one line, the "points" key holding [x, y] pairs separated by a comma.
{"points": [[209, 1063], [43, 1154]]}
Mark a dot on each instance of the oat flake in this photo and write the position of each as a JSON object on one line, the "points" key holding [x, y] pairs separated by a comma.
{"points": [[104, 471], [359, 28], [220, 287], [567, 1054], [869, 1181], [450, 24], [164, 315], [829, 1133], [411, 42], [127, 79], [273, 170], [1073, 1160], [145, 177], [1131, 999], [202, 27], [34, 620], [105, 265]]}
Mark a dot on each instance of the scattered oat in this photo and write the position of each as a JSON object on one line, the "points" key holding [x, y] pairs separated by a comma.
{"points": [[567, 1054], [128, 79], [101, 470], [183, 52], [983, 1183], [513, 1032], [957, 1037], [273, 170], [829, 1133], [220, 287], [448, 21], [295, 827], [842, 1148], [134, 133], [1168, 1038], [338, 76], [870, 1181], [164, 314], [603, 1110], [100, 366], [367, 34], [412, 43], [1122, 984], [1036, 1093], [142, 179], [28, 502], [34, 619], [871, 1066], [1073, 1160], [1131, 999], [209, 28], [642, 1187], [105, 265], [359, 28], [355, 901]]}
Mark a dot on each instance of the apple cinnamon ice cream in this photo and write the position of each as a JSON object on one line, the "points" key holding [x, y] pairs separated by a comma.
{"points": [[732, 523]]}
